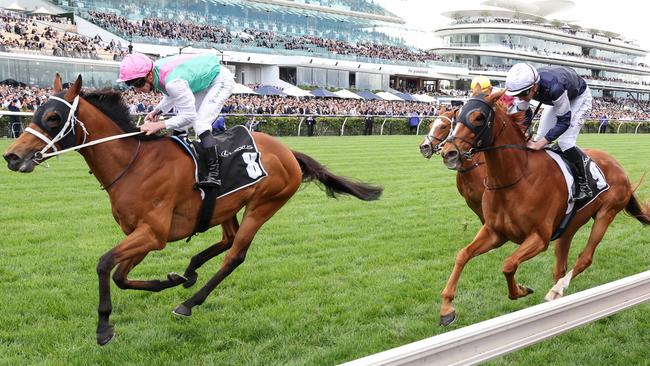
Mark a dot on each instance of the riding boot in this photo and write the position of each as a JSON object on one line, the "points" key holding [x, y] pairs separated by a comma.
{"points": [[212, 161], [579, 173]]}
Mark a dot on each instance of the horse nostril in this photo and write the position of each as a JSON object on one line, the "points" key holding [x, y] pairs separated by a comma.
{"points": [[451, 154], [9, 157]]}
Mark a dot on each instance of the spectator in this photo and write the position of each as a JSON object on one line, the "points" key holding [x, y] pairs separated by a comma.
{"points": [[15, 126], [604, 122], [311, 122], [413, 121], [368, 122]]}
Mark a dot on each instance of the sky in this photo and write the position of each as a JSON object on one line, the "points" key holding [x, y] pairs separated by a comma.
{"points": [[627, 17]]}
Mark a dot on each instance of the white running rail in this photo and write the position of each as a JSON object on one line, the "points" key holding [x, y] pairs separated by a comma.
{"points": [[498, 336]]}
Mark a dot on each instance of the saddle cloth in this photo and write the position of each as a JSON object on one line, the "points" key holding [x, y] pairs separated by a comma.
{"points": [[595, 178], [240, 163]]}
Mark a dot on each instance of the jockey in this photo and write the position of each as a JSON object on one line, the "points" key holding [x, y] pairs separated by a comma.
{"points": [[196, 85], [483, 82], [485, 85], [568, 100]]}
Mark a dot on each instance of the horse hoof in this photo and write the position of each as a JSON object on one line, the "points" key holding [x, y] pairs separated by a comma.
{"points": [[446, 320], [182, 310], [176, 278], [106, 336], [529, 290], [191, 280]]}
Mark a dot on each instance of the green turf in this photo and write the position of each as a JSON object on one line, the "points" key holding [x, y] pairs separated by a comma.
{"points": [[325, 281]]}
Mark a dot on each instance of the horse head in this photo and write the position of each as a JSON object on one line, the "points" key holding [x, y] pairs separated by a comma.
{"points": [[439, 130], [474, 130], [54, 125]]}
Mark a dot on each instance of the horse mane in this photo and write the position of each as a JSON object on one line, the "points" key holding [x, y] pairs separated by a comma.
{"points": [[110, 102], [516, 119]]}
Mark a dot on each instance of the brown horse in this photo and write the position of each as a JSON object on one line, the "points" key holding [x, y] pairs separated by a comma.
{"points": [[526, 198], [151, 182], [471, 174]]}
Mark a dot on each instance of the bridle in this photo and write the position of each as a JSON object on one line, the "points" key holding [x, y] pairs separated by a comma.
{"points": [[483, 136], [437, 143], [69, 129]]}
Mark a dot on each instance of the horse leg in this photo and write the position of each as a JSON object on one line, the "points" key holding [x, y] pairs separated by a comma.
{"points": [[601, 223], [562, 246], [483, 242], [254, 218], [121, 280], [532, 246], [229, 229], [141, 241]]}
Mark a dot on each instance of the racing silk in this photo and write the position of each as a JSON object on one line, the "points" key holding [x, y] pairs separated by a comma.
{"points": [[558, 85], [179, 78], [198, 70]]}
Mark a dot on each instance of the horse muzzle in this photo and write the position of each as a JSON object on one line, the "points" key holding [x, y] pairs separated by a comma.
{"points": [[451, 159], [18, 164], [426, 150]]}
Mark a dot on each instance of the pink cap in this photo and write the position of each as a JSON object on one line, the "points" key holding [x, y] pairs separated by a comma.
{"points": [[134, 65]]}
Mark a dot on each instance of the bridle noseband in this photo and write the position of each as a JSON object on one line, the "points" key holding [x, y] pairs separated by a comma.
{"points": [[68, 128]]}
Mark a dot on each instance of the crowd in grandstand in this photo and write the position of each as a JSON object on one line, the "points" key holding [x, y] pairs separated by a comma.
{"points": [[28, 98], [22, 33]]}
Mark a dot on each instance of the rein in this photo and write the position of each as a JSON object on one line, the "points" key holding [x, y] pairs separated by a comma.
{"points": [[119, 176], [485, 182]]}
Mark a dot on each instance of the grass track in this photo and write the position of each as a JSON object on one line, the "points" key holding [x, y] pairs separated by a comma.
{"points": [[325, 281]]}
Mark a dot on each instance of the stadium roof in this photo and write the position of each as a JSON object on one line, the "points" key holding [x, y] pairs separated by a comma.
{"points": [[327, 11]]}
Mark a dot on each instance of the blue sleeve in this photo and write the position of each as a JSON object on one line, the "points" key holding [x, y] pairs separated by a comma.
{"points": [[562, 107], [562, 124]]}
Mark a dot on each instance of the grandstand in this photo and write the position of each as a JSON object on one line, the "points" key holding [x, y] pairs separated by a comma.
{"points": [[336, 44], [492, 37]]}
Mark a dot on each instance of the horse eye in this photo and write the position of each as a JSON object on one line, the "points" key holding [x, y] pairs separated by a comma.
{"points": [[52, 120]]}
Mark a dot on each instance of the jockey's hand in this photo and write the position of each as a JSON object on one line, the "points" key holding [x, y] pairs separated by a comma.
{"points": [[537, 145], [152, 127], [152, 116]]}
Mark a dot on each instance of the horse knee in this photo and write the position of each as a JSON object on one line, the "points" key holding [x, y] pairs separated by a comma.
{"points": [[235, 259], [105, 264], [509, 268], [120, 280], [462, 257]]}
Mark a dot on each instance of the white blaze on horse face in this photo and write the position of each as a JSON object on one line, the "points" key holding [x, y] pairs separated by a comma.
{"points": [[455, 130], [435, 126]]}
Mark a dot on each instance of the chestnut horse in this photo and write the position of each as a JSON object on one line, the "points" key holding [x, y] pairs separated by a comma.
{"points": [[471, 174], [150, 183], [526, 198]]}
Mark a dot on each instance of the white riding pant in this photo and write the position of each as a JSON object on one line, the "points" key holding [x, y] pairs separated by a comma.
{"points": [[210, 101], [580, 107]]}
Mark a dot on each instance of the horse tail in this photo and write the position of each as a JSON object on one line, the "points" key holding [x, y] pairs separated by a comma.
{"points": [[638, 210], [334, 184]]}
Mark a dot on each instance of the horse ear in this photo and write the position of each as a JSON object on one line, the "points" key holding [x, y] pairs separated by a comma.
{"points": [[58, 86], [74, 90], [492, 98]]}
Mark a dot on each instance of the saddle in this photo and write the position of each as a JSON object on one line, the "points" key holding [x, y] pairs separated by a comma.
{"points": [[595, 179], [240, 166]]}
